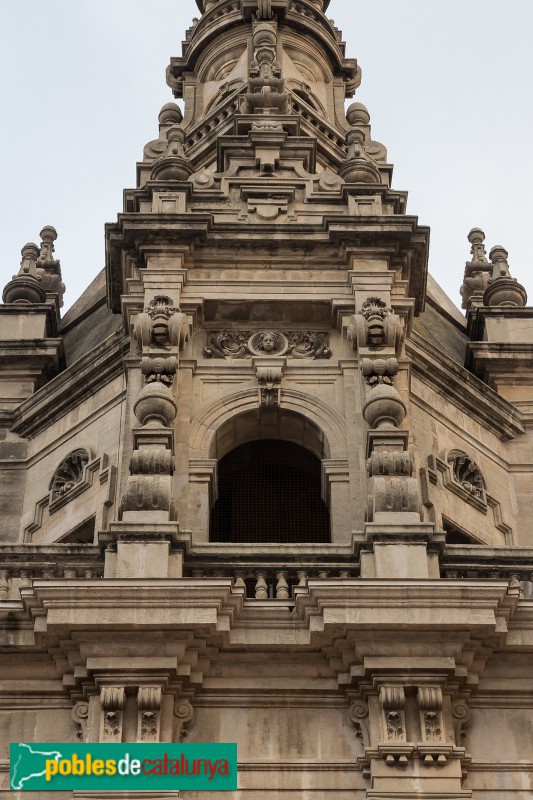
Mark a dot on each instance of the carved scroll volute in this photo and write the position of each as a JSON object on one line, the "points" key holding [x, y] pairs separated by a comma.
{"points": [[184, 717], [431, 720], [161, 324], [392, 701], [359, 716], [376, 326], [357, 332], [178, 330], [112, 703], [80, 716], [142, 330], [149, 714], [461, 722]]}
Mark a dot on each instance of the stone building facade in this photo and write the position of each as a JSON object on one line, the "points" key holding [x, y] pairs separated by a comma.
{"points": [[263, 482]]}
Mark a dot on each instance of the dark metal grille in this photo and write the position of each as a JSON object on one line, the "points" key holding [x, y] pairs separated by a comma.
{"points": [[269, 491]]}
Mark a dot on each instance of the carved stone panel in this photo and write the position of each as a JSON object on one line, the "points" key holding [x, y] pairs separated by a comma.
{"points": [[69, 473], [112, 703], [149, 714], [392, 701], [467, 475], [431, 721], [245, 344]]}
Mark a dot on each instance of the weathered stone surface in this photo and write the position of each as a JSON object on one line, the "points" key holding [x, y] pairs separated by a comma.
{"points": [[264, 284]]}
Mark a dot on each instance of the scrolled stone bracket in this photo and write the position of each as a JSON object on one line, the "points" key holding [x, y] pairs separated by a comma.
{"points": [[149, 713], [80, 716], [183, 718], [161, 325], [269, 380], [112, 718], [376, 328], [359, 713], [410, 726]]}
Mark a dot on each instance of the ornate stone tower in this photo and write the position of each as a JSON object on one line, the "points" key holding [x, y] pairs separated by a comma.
{"points": [[264, 483]]}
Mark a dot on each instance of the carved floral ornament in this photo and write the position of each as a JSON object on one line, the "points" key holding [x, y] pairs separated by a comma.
{"points": [[245, 344], [69, 473], [467, 474]]}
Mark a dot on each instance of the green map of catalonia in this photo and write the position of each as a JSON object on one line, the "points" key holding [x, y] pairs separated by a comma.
{"points": [[30, 764]]}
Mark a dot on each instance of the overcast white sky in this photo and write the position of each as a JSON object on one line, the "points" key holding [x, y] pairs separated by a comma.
{"points": [[447, 84]]}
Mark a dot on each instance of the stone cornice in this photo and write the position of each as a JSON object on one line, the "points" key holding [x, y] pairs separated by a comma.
{"points": [[463, 389], [68, 389]]}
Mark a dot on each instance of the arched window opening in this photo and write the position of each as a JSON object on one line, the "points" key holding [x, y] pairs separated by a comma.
{"points": [[270, 491]]}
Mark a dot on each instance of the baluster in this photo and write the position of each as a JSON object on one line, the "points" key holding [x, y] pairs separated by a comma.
{"points": [[90, 574], [323, 574], [25, 575], [240, 578], [69, 573], [261, 588], [48, 574], [282, 586], [302, 579], [345, 574], [219, 573]]}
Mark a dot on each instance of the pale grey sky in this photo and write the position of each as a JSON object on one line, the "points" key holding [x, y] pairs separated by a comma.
{"points": [[447, 84]]}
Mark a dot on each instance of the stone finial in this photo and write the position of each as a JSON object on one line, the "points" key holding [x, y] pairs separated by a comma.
{"points": [[265, 92], [26, 287], [384, 408], [476, 237], [155, 406], [173, 164], [48, 267], [503, 290], [500, 265], [48, 237], [170, 114], [359, 167], [477, 271], [357, 114]]}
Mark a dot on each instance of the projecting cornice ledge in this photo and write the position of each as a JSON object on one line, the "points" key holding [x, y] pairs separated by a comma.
{"points": [[464, 390], [478, 608], [62, 607], [70, 387]]}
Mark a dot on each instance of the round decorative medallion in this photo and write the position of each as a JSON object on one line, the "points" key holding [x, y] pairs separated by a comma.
{"points": [[268, 343], [202, 180], [330, 182]]}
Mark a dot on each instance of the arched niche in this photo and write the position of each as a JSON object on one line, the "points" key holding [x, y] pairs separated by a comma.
{"points": [[281, 425], [270, 490], [257, 424]]}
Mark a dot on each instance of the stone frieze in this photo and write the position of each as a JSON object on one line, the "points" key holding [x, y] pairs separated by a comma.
{"points": [[246, 344]]}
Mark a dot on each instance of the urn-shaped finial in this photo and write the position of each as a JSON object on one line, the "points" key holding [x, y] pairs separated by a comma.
{"points": [[384, 408], [173, 164], [503, 290], [155, 406], [26, 288]]}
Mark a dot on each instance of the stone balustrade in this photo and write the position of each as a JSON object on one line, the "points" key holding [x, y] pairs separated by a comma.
{"points": [[271, 583]]}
